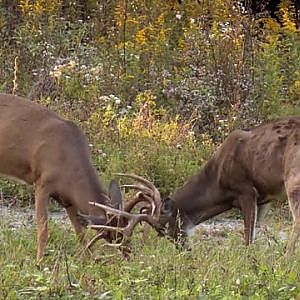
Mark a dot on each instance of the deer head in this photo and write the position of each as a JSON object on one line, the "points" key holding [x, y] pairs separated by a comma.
{"points": [[118, 224], [164, 211]]}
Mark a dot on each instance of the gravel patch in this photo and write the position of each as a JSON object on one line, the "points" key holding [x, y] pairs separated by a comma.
{"points": [[18, 217], [217, 228]]}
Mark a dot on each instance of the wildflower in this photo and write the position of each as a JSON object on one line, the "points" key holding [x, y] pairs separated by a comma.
{"points": [[56, 73], [178, 16], [140, 37]]}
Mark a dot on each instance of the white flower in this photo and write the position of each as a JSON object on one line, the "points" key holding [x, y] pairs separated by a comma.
{"points": [[178, 16]]}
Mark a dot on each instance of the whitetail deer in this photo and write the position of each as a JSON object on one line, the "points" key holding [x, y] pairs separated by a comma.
{"points": [[38, 147], [249, 166]]}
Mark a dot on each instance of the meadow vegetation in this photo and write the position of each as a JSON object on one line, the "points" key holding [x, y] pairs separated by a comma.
{"points": [[216, 268], [156, 86]]}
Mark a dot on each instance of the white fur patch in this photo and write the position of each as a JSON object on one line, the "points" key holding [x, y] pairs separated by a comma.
{"points": [[254, 224], [190, 230]]}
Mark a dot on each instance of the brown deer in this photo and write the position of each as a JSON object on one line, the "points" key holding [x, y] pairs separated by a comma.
{"points": [[40, 148], [248, 167]]}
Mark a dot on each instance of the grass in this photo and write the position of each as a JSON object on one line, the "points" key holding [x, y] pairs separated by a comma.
{"points": [[214, 269]]}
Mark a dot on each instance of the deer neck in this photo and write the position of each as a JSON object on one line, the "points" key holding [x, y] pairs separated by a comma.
{"points": [[85, 187], [202, 197]]}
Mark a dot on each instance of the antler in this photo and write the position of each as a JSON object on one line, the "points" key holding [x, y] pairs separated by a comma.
{"points": [[149, 194], [125, 231], [140, 197]]}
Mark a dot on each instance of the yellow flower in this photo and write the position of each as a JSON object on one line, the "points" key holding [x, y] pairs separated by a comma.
{"points": [[140, 37], [25, 6], [295, 90], [108, 115], [286, 19], [161, 19]]}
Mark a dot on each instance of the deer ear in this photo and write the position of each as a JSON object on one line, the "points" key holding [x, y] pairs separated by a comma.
{"points": [[114, 193], [168, 206], [86, 220]]}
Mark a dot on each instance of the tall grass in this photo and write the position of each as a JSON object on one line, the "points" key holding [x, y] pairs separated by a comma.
{"points": [[214, 269]]}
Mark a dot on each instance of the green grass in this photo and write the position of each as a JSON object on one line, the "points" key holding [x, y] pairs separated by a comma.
{"points": [[214, 269]]}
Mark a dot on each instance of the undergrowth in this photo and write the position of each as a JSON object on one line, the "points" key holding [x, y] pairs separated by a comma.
{"points": [[214, 269]]}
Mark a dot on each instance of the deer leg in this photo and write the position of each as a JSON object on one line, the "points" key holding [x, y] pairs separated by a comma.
{"points": [[249, 209], [294, 202], [78, 227], [262, 210], [293, 239], [41, 210]]}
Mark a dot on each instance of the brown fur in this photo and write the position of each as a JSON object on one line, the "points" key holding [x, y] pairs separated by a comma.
{"points": [[42, 149], [249, 166]]}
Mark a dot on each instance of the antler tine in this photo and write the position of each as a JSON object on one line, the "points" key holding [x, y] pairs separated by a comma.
{"points": [[125, 214], [98, 237], [156, 195], [144, 197], [140, 197], [146, 182], [93, 241], [141, 188], [127, 230], [111, 210]]}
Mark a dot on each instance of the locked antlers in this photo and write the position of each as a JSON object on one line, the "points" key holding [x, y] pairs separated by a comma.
{"points": [[121, 222], [126, 231], [148, 193]]}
